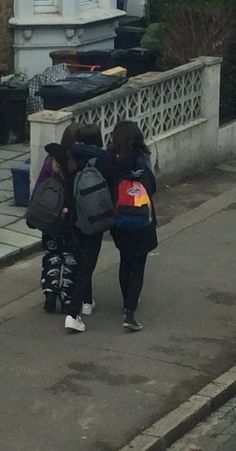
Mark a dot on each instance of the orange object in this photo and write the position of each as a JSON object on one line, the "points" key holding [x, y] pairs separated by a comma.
{"points": [[119, 71], [82, 67]]}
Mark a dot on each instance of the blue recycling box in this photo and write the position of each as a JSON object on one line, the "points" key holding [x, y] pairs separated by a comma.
{"points": [[21, 183], [120, 4]]}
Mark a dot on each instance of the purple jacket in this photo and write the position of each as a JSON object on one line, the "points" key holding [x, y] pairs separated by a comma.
{"points": [[46, 171]]}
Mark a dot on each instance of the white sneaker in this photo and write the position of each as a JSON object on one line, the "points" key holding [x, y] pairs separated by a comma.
{"points": [[74, 324], [87, 309]]}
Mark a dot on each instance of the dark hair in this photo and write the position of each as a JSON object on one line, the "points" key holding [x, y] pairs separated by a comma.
{"points": [[127, 139], [90, 134], [85, 133], [70, 136]]}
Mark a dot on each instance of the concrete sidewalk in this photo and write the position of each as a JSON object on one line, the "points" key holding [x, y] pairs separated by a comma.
{"points": [[15, 237], [97, 390]]}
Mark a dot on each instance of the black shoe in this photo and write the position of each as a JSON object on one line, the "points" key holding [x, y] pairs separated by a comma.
{"points": [[130, 323], [50, 303]]}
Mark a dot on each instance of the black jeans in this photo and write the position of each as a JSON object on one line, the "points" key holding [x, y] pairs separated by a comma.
{"points": [[58, 268], [87, 254], [131, 276]]}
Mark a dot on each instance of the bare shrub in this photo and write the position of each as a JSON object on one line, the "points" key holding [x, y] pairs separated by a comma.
{"points": [[200, 27], [193, 32]]}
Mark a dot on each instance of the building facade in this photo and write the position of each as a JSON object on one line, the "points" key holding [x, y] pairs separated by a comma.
{"points": [[41, 26]]}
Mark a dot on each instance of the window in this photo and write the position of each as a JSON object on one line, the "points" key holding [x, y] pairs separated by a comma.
{"points": [[45, 6], [88, 3]]}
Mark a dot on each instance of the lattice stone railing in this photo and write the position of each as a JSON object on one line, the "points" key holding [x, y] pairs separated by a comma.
{"points": [[177, 110], [159, 103]]}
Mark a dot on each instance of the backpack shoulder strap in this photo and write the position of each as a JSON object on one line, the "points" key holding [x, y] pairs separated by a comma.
{"points": [[76, 182], [92, 162]]}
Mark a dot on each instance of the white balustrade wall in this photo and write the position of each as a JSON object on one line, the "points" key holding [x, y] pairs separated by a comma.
{"points": [[177, 111], [158, 104]]}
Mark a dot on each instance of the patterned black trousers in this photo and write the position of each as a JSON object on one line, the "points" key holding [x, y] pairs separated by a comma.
{"points": [[59, 268]]}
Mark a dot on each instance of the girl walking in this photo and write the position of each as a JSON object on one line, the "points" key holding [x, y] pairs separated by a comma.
{"points": [[134, 233], [58, 264], [89, 148]]}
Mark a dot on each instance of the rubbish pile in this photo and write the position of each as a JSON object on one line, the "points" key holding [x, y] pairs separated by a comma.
{"points": [[75, 76]]}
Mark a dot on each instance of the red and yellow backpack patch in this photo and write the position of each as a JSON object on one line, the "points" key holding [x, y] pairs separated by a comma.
{"points": [[133, 207]]}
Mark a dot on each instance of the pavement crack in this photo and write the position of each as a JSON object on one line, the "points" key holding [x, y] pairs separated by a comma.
{"points": [[114, 351]]}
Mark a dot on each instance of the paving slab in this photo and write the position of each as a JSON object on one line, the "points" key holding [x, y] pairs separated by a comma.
{"points": [[8, 207], [17, 239], [4, 173], [23, 157], [5, 195], [6, 219], [20, 226], [7, 154], [9, 163], [20, 147], [6, 185]]}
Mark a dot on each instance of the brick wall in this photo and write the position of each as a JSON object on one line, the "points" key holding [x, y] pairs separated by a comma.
{"points": [[6, 35]]}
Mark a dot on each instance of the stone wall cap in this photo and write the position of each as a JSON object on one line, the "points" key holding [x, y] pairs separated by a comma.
{"points": [[208, 60], [50, 117]]}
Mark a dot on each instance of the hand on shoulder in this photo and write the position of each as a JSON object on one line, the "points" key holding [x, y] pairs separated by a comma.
{"points": [[55, 166]]}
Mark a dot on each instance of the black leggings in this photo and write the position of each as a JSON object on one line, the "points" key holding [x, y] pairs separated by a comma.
{"points": [[87, 254], [131, 276]]}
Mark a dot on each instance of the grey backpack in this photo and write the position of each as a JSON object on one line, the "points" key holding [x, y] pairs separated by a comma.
{"points": [[94, 206], [45, 208]]}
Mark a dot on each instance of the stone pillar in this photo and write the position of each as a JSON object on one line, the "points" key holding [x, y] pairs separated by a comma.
{"points": [[45, 127], [211, 105], [211, 87]]}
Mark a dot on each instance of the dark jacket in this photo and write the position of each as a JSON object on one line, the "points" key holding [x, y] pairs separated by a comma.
{"points": [[136, 242], [105, 161]]}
